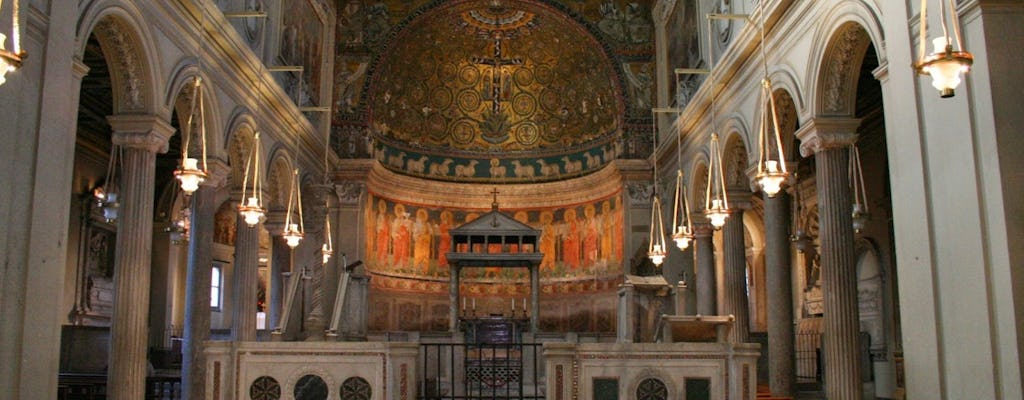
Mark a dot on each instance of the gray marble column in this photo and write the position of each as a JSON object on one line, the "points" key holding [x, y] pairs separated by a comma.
{"points": [[246, 281], [827, 140], [141, 136], [535, 299], [280, 262], [779, 282], [453, 298], [704, 251], [197, 286], [734, 254]]}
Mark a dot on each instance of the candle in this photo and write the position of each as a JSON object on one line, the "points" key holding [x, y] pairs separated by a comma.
{"points": [[463, 304], [474, 304], [524, 304], [513, 304]]}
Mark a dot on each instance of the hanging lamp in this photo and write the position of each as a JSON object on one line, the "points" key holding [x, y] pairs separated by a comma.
{"points": [[252, 203], [860, 212], [188, 172], [656, 248], [771, 172], [10, 60], [106, 195], [327, 248], [946, 64], [294, 232], [716, 200]]}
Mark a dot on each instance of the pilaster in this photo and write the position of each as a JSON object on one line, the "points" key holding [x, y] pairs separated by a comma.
{"points": [[141, 136]]}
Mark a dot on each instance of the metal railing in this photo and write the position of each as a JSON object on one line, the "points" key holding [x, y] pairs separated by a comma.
{"points": [[72, 386], [808, 357], [480, 371]]}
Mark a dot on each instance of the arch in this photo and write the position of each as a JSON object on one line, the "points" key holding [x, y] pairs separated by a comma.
{"points": [[240, 137], [850, 28], [279, 180], [789, 121], [178, 98], [735, 154], [784, 77], [699, 182], [130, 51]]}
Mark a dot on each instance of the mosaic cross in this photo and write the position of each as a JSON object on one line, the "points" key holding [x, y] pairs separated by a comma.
{"points": [[496, 61]]}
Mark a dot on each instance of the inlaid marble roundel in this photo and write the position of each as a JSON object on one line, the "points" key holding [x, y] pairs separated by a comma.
{"points": [[651, 389], [356, 388], [265, 388], [310, 387]]}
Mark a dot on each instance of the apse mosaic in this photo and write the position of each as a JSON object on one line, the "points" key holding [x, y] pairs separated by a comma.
{"points": [[545, 84], [408, 242]]}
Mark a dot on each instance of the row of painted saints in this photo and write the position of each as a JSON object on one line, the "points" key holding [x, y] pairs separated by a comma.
{"points": [[577, 241]]}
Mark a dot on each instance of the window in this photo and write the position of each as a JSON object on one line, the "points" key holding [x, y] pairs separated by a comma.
{"points": [[216, 283]]}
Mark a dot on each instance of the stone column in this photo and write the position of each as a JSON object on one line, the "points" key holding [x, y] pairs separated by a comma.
{"points": [[779, 282], [141, 136], [197, 286], [827, 139], [535, 299], [279, 263], [734, 253], [246, 281], [704, 251], [453, 298]]}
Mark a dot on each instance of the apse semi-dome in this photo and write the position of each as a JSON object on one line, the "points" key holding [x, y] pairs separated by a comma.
{"points": [[495, 91]]}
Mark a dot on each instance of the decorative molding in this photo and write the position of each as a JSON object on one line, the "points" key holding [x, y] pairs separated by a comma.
{"points": [[349, 192], [640, 194], [124, 57], [145, 132], [841, 69], [819, 134]]}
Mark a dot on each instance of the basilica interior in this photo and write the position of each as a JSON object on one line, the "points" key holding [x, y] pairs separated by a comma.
{"points": [[511, 199]]}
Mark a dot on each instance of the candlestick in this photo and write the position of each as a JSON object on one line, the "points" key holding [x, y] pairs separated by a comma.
{"points": [[524, 304], [513, 304], [474, 304], [463, 304]]}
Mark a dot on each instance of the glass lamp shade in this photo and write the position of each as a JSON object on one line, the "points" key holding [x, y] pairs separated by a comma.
{"points": [[110, 206], [9, 61], [682, 236], [251, 211], [717, 214], [771, 178], [326, 253], [292, 236], [945, 66], [657, 254], [860, 218], [190, 175]]}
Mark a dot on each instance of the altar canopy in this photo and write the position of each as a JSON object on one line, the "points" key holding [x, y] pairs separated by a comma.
{"points": [[494, 240]]}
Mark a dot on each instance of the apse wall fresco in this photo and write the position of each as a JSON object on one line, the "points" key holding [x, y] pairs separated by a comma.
{"points": [[409, 241]]}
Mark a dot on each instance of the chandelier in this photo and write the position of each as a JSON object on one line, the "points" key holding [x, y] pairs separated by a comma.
{"points": [[682, 231], [771, 173], [946, 64], [294, 232], [860, 196], [656, 248], [106, 195], [10, 60], [252, 200]]}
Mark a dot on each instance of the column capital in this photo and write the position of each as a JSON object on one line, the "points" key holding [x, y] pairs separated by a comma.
{"points": [[703, 229], [349, 192], [274, 223], [818, 134], [217, 172], [146, 132], [739, 200]]}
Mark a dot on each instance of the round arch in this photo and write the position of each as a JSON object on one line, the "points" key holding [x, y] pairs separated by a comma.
{"points": [[176, 99], [840, 43], [130, 50]]}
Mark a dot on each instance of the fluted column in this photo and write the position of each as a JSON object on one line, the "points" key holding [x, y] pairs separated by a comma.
{"points": [[141, 137], [280, 262], [246, 281], [734, 254], [197, 286], [782, 361], [704, 251], [828, 139]]}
